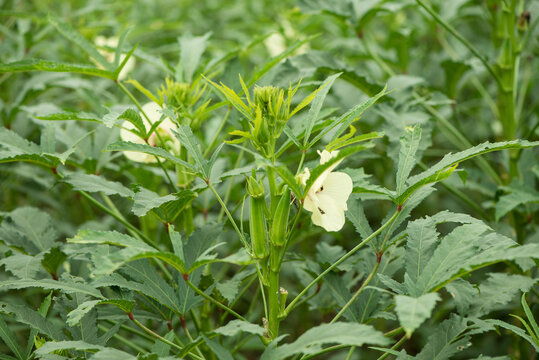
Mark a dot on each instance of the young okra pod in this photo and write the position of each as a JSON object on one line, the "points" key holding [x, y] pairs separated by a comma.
{"points": [[279, 226], [257, 226], [257, 220]]}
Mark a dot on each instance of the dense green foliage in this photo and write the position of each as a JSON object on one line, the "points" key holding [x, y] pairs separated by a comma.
{"points": [[218, 179]]}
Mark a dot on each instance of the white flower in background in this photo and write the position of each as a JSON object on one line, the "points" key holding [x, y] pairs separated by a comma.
{"points": [[162, 136], [276, 42], [112, 42], [327, 197]]}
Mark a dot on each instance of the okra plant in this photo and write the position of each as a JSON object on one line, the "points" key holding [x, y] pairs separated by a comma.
{"points": [[308, 179]]}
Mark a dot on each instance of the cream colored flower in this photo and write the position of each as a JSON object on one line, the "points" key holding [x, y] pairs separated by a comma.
{"points": [[112, 42], [327, 197], [162, 136]]}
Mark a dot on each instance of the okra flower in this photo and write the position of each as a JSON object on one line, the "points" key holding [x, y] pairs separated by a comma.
{"points": [[162, 136], [327, 197]]}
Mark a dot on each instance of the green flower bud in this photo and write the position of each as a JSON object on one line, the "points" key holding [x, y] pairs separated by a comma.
{"points": [[257, 227], [254, 187], [279, 226]]}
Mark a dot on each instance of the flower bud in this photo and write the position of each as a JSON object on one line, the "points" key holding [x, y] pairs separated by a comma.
{"points": [[279, 226], [257, 227], [523, 22], [254, 187]]}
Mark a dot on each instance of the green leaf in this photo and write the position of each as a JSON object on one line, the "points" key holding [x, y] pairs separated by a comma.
{"points": [[15, 148], [147, 281], [191, 50], [312, 340], [490, 324], [529, 315], [9, 339], [496, 292], [53, 259], [48, 139], [221, 352], [277, 59], [347, 119], [147, 149], [190, 142], [74, 36], [466, 248], [234, 327], [446, 340], [444, 167], [356, 215], [43, 310], [420, 245], [519, 195], [67, 286], [133, 249], [413, 311], [407, 160], [75, 316], [22, 266], [290, 180], [53, 66], [78, 116], [166, 207], [95, 183], [145, 91], [27, 316], [135, 119], [28, 228], [51, 346], [316, 105]]}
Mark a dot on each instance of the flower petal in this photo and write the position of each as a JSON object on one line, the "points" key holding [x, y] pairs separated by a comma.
{"points": [[152, 110], [338, 186], [328, 215]]}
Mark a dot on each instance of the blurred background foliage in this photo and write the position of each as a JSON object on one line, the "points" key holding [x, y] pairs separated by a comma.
{"points": [[436, 81]]}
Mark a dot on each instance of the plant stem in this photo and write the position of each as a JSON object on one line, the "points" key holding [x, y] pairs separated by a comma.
{"points": [[216, 136], [357, 293], [230, 185], [460, 38], [230, 218], [154, 334], [338, 262], [212, 300], [273, 301], [125, 341], [396, 346]]}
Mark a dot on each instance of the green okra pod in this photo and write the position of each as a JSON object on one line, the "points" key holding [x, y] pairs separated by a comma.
{"points": [[279, 227]]}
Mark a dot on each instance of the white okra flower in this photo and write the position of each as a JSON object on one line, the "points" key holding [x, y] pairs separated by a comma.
{"points": [[162, 136], [327, 197]]}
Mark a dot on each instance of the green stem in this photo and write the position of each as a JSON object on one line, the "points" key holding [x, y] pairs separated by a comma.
{"points": [[125, 341], [230, 184], [212, 300], [217, 133], [357, 293], [338, 262], [460, 38], [396, 346], [230, 218], [154, 334], [273, 302]]}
